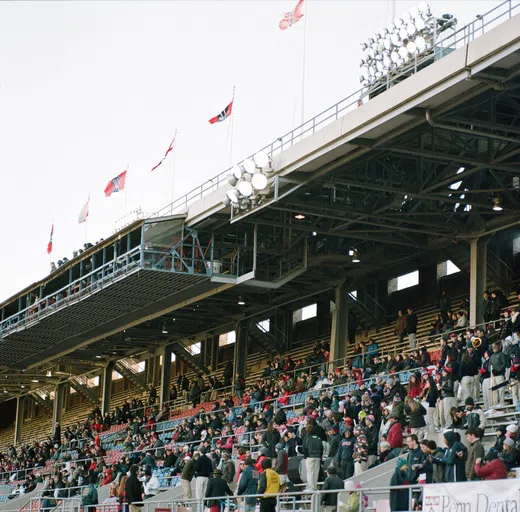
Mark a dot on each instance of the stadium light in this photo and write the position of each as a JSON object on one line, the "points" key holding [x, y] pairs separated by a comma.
{"points": [[355, 257], [299, 216], [241, 301], [410, 35], [250, 182], [497, 204]]}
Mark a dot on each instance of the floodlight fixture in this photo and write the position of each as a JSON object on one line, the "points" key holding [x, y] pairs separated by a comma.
{"points": [[245, 188], [299, 216], [249, 166], [232, 195], [259, 181], [497, 204], [261, 160], [355, 257]]}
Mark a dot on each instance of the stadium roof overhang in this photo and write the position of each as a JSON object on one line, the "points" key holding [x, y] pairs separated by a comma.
{"points": [[411, 172]]}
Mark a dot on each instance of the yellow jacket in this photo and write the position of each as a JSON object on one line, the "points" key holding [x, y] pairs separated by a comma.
{"points": [[269, 483]]}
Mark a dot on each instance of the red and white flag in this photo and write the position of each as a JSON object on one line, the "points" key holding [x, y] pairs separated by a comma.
{"points": [[116, 184], [223, 115], [170, 148], [83, 214], [49, 245], [291, 17]]}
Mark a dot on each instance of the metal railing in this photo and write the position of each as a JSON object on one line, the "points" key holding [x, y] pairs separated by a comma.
{"points": [[501, 269], [75, 290], [455, 40]]}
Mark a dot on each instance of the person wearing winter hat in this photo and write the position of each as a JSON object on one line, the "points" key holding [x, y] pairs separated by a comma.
{"points": [[399, 498], [334, 440], [509, 454], [343, 459], [282, 464]]}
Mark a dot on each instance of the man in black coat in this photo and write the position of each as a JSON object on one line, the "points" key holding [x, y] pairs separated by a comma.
{"points": [[332, 483], [217, 487]]}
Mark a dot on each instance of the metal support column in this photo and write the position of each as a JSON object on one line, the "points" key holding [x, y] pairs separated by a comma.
{"points": [[214, 353], [477, 279], [166, 373], [20, 404], [242, 336], [106, 387], [57, 410], [339, 329]]}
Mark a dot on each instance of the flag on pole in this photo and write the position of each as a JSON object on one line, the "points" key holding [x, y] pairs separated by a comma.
{"points": [[83, 214], [223, 115], [170, 148], [49, 245], [291, 17], [116, 184]]}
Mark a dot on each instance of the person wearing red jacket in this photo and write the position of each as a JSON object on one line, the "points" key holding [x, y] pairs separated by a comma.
{"points": [[495, 469], [394, 434]]}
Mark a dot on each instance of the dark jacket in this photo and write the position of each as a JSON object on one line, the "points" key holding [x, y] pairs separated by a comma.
{"points": [[217, 487], [417, 417], [346, 449], [332, 482], [399, 497], [203, 466], [415, 458], [475, 451], [312, 446], [270, 440], [454, 467], [411, 324], [499, 363], [188, 471], [134, 489], [248, 484], [228, 471]]}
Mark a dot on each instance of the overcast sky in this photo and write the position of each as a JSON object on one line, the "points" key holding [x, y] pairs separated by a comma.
{"points": [[87, 88]]}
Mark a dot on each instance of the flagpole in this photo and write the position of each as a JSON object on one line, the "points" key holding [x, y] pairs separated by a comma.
{"points": [[88, 216], [173, 171], [304, 62], [232, 129], [126, 185]]}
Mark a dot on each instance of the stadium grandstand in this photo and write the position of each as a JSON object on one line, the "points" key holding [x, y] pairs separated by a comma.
{"points": [[356, 322]]}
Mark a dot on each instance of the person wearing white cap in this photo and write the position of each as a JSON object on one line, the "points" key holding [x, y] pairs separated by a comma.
{"points": [[352, 502], [188, 471]]}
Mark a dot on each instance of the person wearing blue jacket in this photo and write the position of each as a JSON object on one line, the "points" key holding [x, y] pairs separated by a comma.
{"points": [[248, 484], [454, 458]]}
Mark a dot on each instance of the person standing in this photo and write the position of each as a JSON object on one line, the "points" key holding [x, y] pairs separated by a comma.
{"points": [[400, 326], [248, 484], [411, 327], [344, 459], [217, 488], [89, 495], [134, 490], [269, 486], [499, 364], [332, 483], [447, 395], [203, 470], [444, 305], [282, 464], [188, 472], [312, 452], [476, 451], [228, 469], [485, 376]]}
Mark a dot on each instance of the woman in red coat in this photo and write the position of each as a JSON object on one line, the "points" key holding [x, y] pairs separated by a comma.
{"points": [[495, 469]]}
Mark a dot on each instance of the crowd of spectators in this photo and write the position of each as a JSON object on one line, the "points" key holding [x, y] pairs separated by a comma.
{"points": [[338, 434]]}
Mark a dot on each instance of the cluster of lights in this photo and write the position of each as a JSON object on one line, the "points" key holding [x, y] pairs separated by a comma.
{"points": [[250, 182], [355, 255], [410, 35]]}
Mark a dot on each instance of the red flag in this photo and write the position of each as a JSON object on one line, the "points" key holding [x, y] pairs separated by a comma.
{"points": [[223, 115], [290, 18], [116, 184], [170, 148], [49, 245]]}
